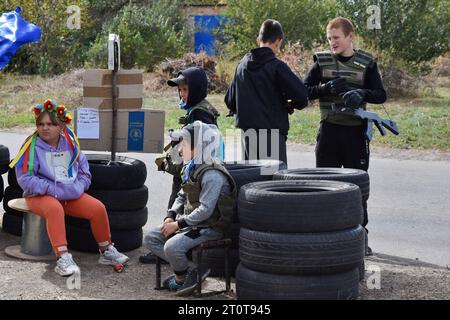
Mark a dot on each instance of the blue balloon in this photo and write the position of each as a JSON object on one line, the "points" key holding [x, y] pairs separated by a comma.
{"points": [[15, 32]]}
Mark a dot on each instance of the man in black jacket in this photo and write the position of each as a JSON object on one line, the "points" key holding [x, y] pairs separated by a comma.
{"points": [[263, 93], [345, 77]]}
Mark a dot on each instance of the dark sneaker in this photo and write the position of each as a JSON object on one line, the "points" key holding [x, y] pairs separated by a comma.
{"points": [[172, 284], [150, 258], [190, 283], [165, 284], [369, 251]]}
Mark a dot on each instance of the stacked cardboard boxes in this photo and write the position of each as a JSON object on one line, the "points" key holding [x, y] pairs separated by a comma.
{"points": [[137, 129]]}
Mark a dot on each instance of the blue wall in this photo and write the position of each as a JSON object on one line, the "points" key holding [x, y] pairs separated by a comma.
{"points": [[204, 39]]}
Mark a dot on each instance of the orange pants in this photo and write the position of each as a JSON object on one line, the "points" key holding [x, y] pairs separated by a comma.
{"points": [[86, 207]]}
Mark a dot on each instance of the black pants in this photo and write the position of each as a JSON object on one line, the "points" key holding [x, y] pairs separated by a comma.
{"points": [[343, 146], [259, 146]]}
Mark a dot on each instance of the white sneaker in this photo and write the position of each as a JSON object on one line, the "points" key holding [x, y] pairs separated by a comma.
{"points": [[111, 256], [65, 266]]}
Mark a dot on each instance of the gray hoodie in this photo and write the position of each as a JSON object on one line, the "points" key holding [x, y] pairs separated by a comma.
{"points": [[213, 184]]}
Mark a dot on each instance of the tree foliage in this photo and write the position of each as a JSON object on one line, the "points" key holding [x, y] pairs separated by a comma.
{"points": [[411, 30], [303, 21], [60, 47], [148, 34]]}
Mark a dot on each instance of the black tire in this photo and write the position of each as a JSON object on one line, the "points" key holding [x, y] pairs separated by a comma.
{"points": [[1, 189], [122, 200], [214, 259], [12, 224], [12, 179], [118, 220], [12, 193], [358, 177], [254, 285], [250, 171], [362, 270], [122, 174], [82, 240], [302, 253], [4, 159], [233, 234], [295, 206]]}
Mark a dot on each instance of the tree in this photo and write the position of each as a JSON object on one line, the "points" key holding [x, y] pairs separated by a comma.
{"points": [[148, 34], [62, 45], [303, 21], [411, 30]]}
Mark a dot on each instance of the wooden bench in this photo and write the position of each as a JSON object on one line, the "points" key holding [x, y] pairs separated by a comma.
{"points": [[34, 245]]}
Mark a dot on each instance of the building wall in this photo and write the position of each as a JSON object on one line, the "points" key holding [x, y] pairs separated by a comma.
{"points": [[201, 10]]}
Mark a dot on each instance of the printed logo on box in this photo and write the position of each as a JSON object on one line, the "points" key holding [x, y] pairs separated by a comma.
{"points": [[136, 131]]}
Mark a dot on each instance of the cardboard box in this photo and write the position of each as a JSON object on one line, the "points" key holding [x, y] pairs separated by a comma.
{"points": [[103, 77], [136, 131], [132, 91], [104, 103]]}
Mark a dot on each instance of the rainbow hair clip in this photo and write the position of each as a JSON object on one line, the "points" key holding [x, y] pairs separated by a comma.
{"points": [[25, 157]]}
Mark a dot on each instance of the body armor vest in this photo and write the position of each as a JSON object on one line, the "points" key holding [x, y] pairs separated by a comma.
{"points": [[225, 209], [354, 71]]}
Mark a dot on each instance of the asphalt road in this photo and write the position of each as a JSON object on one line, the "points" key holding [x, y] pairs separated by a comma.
{"points": [[409, 205]]}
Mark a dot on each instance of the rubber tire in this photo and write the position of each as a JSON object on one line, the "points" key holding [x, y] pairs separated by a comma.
{"points": [[254, 285], [122, 174], [82, 240], [233, 234], [302, 253], [122, 200], [12, 179], [308, 206], [362, 271], [250, 171], [12, 193], [358, 177], [118, 220], [12, 224], [214, 259], [4, 159], [1, 189]]}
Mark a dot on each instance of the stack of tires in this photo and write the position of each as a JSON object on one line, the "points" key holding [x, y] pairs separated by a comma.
{"points": [[300, 240], [242, 173], [12, 219], [4, 162], [119, 185], [358, 177]]}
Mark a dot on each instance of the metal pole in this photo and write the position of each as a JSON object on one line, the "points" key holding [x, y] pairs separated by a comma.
{"points": [[114, 104]]}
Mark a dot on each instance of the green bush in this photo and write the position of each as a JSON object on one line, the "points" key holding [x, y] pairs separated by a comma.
{"points": [[414, 31], [303, 21], [148, 34], [60, 47]]}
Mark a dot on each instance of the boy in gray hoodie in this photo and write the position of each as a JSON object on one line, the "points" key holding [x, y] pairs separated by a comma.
{"points": [[203, 209]]}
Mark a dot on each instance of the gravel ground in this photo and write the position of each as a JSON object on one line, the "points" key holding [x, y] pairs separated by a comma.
{"points": [[399, 279]]}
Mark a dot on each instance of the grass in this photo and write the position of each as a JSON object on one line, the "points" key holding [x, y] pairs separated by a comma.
{"points": [[424, 123]]}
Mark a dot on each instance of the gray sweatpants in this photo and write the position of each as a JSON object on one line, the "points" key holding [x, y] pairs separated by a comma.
{"points": [[175, 248]]}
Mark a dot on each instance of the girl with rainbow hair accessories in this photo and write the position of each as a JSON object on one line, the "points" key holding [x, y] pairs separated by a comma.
{"points": [[54, 175]]}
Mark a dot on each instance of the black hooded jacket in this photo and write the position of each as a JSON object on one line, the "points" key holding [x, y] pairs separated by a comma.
{"points": [[198, 90], [261, 87]]}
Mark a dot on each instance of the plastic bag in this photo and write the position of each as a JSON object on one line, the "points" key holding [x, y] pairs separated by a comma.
{"points": [[15, 32]]}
